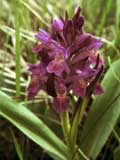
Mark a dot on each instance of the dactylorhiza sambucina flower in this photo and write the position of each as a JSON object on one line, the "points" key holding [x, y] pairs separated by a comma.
{"points": [[68, 62]]}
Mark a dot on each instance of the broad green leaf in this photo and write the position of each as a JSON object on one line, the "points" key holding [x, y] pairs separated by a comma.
{"points": [[117, 153], [103, 115], [117, 127], [32, 126]]}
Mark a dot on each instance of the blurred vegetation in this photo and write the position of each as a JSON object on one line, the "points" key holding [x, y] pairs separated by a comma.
{"points": [[19, 20]]}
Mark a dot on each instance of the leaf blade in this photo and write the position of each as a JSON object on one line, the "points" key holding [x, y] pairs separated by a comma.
{"points": [[31, 126], [103, 114]]}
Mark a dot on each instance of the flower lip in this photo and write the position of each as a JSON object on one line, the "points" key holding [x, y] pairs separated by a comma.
{"points": [[58, 66], [61, 103], [60, 86]]}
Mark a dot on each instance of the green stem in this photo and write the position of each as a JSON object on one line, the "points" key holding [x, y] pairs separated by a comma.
{"points": [[84, 105], [17, 50], [77, 119], [65, 124]]}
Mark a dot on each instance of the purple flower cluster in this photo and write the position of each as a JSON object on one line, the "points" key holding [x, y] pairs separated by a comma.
{"points": [[68, 61]]}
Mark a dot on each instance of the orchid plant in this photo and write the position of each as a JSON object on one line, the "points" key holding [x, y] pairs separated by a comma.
{"points": [[69, 66], [69, 69]]}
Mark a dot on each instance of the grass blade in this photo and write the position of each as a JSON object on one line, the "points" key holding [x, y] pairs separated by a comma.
{"points": [[17, 50], [17, 146], [104, 16], [34, 12]]}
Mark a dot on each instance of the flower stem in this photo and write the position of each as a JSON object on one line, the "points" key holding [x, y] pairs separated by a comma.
{"points": [[77, 119], [65, 122], [84, 105]]}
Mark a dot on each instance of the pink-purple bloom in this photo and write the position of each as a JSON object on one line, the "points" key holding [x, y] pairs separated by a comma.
{"points": [[68, 62]]}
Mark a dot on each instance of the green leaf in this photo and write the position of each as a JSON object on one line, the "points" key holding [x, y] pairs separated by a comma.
{"points": [[17, 146], [117, 127], [104, 15], [117, 20], [103, 115], [32, 126], [17, 50], [117, 153]]}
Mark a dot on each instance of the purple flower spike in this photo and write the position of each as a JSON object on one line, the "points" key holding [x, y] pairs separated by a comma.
{"points": [[69, 61]]}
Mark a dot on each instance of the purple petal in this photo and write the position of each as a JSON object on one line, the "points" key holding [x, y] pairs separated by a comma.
{"points": [[56, 49], [80, 43], [90, 67], [68, 31], [50, 87], [33, 88], [37, 69], [95, 44], [77, 84], [55, 67], [98, 89], [39, 48], [42, 51], [57, 24], [61, 103], [84, 43], [94, 58], [86, 73], [77, 14], [39, 78], [80, 57], [78, 20], [43, 36]]}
